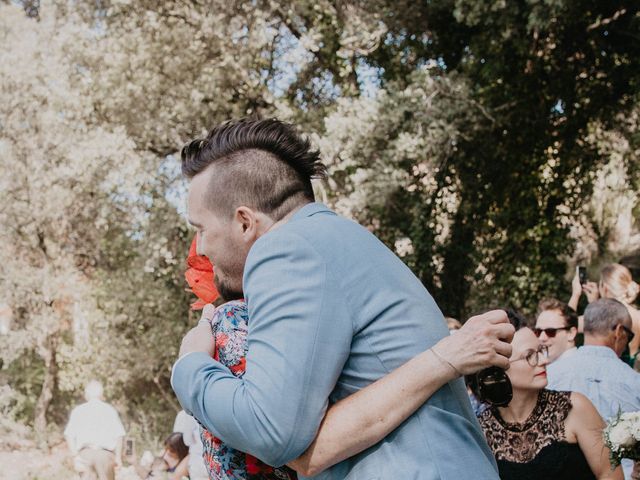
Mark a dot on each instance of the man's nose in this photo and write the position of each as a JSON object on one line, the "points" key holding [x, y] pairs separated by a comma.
{"points": [[199, 245], [543, 360]]}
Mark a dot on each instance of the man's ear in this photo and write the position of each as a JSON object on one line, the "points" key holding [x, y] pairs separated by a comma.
{"points": [[246, 221], [619, 337], [573, 331]]}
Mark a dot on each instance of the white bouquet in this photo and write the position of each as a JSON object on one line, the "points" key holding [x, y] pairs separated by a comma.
{"points": [[622, 436]]}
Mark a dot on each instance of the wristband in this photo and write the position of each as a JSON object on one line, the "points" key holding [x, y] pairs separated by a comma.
{"points": [[442, 359]]}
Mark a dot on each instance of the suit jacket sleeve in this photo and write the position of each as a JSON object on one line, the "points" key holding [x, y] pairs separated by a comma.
{"points": [[299, 339]]}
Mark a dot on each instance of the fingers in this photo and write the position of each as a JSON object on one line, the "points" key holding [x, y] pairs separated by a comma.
{"points": [[207, 314], [494, 323], [492, 316], [208, 311], [503, 349], [504, 331], [590, 286], [500, 361]]}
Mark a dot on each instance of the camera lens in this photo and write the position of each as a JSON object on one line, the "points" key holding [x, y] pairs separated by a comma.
{"points": [[494, 387]]}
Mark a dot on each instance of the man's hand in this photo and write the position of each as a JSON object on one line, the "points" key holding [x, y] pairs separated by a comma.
{"points": [[200, 338], [483, 341]]}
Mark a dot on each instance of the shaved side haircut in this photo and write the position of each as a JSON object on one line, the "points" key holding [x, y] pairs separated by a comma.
{"points": [[262, 164]]}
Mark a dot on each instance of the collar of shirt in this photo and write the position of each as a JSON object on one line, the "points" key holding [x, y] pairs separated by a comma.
{"points": [[597, 351], [568, 353], [310, 209]]}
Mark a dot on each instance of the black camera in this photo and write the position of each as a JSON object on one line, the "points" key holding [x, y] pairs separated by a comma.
{"points": [[492, 385]]}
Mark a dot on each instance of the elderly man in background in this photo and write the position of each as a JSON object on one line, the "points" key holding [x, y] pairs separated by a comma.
{"points": [[94, 435], [596, 370]]}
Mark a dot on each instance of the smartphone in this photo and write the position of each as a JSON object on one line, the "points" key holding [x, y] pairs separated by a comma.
{"points": [[582, 275], [128, 447]]}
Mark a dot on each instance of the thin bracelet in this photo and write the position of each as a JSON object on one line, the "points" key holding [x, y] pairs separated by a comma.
{"points": [[442, 359]]}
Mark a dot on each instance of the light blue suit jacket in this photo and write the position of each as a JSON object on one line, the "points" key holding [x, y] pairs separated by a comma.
{"points": [[331, 310]]}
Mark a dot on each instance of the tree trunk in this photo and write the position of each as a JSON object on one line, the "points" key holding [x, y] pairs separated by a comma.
{"points": [[47, 352]]}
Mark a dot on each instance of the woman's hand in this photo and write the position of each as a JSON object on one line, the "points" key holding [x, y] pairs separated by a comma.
{"points": [[200, 338], [483, 341], [591, 291], [576, 291]]}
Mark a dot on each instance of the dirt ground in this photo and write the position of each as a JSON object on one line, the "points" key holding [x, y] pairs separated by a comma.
{"points": [[34, 464]]}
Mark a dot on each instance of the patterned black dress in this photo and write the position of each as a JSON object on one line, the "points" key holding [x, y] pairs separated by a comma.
{"points": [[536, 449]]}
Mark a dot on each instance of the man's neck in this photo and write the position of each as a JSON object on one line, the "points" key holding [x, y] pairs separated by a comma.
{"points": [[285, 219], [596, 341]]}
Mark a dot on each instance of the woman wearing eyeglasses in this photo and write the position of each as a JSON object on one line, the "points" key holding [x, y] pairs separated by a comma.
{"points": [[544, 434]]}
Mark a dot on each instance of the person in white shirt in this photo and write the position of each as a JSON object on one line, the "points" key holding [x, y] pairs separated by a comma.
{"points": [[94, 435], [190, 429]]}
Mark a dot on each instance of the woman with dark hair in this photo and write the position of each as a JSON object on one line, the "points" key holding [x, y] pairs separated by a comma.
{"points": [[542, 433], [171, 464], [175, 451]]}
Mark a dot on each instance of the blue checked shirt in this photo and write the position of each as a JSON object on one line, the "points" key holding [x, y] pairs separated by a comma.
{"points": [[599, 375]]}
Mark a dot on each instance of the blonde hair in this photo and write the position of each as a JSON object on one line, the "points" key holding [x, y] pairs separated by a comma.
{"points": [[617, 279]]}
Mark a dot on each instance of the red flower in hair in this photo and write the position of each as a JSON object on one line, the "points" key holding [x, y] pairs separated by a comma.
{"points": [[199, 275]]}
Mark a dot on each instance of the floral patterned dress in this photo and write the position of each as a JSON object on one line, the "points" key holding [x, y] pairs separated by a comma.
{"points": [[229, 325]]}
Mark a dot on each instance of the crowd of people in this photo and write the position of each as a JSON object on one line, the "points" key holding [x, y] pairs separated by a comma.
{"points": [[328, 357], [97, 441], [578, 371]]}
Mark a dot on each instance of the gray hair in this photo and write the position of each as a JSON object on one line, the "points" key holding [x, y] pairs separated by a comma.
{"points": [[603, 315]]}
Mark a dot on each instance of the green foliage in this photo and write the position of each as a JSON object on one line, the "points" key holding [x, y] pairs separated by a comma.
{"points": [[542, 75], [492, 144]]}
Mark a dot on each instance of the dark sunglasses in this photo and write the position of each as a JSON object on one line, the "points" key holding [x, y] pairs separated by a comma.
{"points": [[549, 332], [630, 333]]}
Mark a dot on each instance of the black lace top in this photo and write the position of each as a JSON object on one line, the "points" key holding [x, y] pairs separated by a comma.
{"points": [[536, 448]]}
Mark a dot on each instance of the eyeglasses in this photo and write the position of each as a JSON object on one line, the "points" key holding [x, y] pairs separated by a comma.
{"points": [[630, 333], [533, 356], [549, 332]]}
